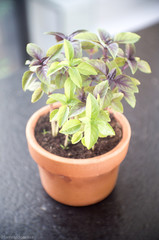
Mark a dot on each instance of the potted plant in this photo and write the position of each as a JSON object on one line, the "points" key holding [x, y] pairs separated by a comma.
{"points": [[65, 137]]}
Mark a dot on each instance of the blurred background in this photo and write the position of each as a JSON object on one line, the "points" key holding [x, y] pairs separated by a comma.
{"points": [[23, 21]]}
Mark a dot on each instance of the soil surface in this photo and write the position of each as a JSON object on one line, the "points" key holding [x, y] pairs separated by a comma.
{"points": [[53, 144]]}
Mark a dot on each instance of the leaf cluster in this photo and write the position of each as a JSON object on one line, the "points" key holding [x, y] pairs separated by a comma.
{"points": [[91, 85]]}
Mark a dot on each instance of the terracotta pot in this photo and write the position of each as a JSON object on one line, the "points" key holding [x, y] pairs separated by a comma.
{"points": [[78, 182]]}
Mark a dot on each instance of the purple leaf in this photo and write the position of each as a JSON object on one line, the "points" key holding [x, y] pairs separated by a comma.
{"points": [[77, 49], [104, 36], [100, 65], [35, 63], [112, 74], [101, 89], [41, 73], [81, 95], [44, 60], [59, 36], [133, 65], [120, 53], [130, 98], [124, 84], [130, 50], [113, 49], [76, 32], [77, 109], [34, 51]]}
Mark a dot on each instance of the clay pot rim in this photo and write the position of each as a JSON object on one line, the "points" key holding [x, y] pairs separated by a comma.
{"points": [[72, 161]]}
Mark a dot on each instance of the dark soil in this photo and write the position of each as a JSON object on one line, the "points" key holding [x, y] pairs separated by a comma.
{"points": [[52, 144]]}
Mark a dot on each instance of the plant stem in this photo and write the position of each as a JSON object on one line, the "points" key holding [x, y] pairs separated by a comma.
{"points": [[57, 129], [53, 128], [66, 141], [53, 125], [124, 67], [105, 54]]}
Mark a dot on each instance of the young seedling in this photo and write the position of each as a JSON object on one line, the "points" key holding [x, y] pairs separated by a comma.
{"points": [[45, 132], [91, 85], [64, 147]]}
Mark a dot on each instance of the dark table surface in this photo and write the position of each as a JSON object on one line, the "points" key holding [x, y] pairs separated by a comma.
{"points": [[130, 212]]}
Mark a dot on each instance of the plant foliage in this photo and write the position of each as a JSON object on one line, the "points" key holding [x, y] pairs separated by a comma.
{"points": [[91, 85]]}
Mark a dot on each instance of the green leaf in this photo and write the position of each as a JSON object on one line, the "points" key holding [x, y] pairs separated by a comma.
{"points": [[92, 51], [54, 50], [72, 102], [92, 107], [37, 94], [90, 134], [57, 97], [27, 62], [71, 127], [126, 37], [101, 89], [70, 88], [75, 76], [86, 81], [104, 115], [143, 66], [135, 81], [55, 66], [116, 104], [26, 79], [48, 88], [84, 119], [76, 61], [118, 96], [69, 51], [76, 137], [89, 89], [45, 88], [83, 141], [33, 84], [87, 45], [105, 128], [60, 79], [53, 115], [120, 61], [62, 115], [87, 36], [106, 101], [86, 69]]}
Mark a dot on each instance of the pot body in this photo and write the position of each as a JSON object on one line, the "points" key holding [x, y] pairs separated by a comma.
{"points": [[78, 182], [78, 191]]}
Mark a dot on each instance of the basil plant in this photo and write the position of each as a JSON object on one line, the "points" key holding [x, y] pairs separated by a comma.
{"points": [[91, 70]]}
